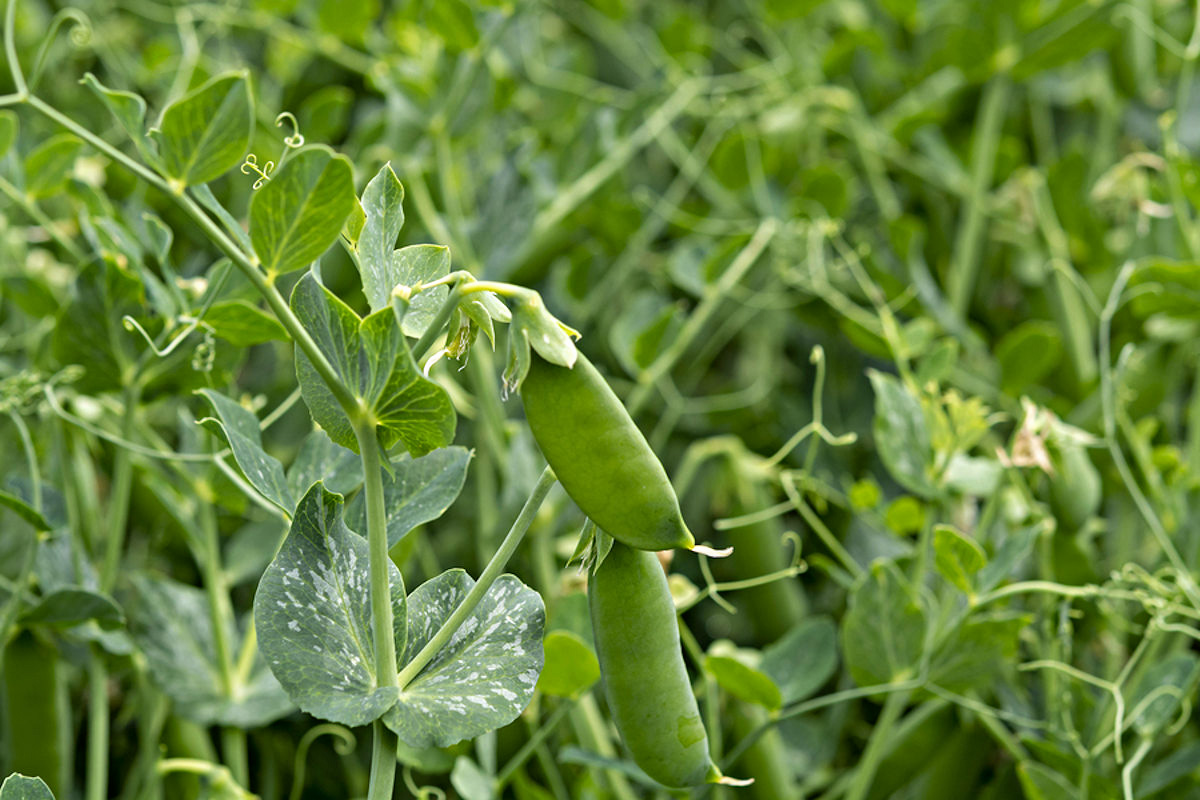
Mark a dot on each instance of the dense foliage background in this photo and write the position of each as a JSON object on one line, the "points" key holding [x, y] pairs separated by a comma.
{"points": [[903, 294]]}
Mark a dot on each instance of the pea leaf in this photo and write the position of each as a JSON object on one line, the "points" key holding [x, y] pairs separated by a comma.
{"points": [[243, 324], [299, 213], [129, 109], [485, 675], [975, 653], [419, 263], [957, 557], [883, 631], [74, 606], [313, 613], [240, 428], [22, 787], [901, 435], [206, 132], [372, 358], [743, 681], [1039, 782], [1027, 354], [48, 167], [571, 667], [320, 459], [1160, 692], [382, 205], [24, 510], [173, 629], [418, 491], [803, 658]]}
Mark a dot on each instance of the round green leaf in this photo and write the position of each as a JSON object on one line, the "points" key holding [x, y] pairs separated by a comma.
{"points": [[571, 666]]}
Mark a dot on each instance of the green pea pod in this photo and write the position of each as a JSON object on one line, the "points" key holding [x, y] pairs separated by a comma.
{"points": [[645, 680], [1075, 490], [38, 721], [600, 457]]}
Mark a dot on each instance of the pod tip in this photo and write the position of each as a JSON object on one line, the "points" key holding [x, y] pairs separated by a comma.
{"points": [[711, 552], [725, 780]]}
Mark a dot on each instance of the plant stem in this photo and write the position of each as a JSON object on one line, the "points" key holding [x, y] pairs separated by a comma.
{"points": [[698, 322], [248, 267], [383, 762], [381, 595], [489, 575], [530, 746], [435, 327], [10, 48], [964, 265], [233, 750], [864, 773]]}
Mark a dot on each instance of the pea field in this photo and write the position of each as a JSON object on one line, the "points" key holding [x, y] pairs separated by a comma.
{"points": [[600, 400]]}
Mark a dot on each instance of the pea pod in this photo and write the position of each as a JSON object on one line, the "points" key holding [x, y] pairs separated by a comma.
{"points": [[1075, 490], [649, 694], [600, 457], [38, 721]]}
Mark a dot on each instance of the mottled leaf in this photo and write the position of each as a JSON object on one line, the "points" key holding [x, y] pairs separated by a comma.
{"points": [[172, 626], [313, 613], [484, 676], [22, 787]]}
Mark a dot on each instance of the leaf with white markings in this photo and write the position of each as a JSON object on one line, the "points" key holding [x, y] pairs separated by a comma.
{"points": [[206, 132], [240, 427], [22, 787], [173, 628], [372, 358], [313, 613], [419, 491], [484, 676]]}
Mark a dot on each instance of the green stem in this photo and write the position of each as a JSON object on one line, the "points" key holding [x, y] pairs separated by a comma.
{"points": [[530, 746], [964, 265], [377, 544], [97, 725], [698, 322], [489, 575], [37, 215], [595, 736], [864, 773], [439, 322], [233, 749], [10, 49], [248, 267], [383, 762], [118, 512]]}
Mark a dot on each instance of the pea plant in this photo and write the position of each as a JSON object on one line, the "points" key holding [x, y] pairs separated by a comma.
{"points": [[895, 301], [334, 630]]}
